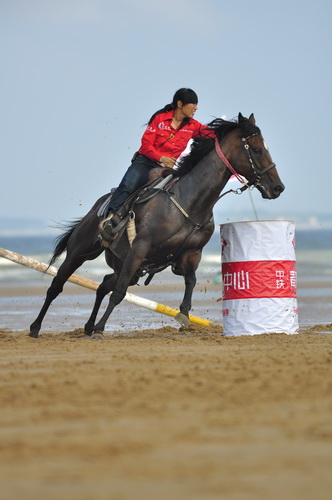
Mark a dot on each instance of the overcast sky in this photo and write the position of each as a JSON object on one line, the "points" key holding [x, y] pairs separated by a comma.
{"points": [[80, 78]]}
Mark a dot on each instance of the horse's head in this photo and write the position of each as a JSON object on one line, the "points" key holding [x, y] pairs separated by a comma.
{"points": [[251, 158]]}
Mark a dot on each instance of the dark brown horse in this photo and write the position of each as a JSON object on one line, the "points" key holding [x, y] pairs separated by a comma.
{"points": [[172, 227]]}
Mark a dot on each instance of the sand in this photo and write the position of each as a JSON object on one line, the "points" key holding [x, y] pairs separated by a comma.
{"points": [[166, 414]]}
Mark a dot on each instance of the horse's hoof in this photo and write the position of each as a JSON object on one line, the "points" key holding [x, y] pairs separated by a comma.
{"points": [[33, 335], [182, 319], [88, 331], [97, 336]]}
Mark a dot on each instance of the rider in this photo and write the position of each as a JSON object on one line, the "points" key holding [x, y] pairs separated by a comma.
{"points": [[166, 137]]}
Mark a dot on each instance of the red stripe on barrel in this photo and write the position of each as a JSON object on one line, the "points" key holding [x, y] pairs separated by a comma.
{"points": [[259, 279]]}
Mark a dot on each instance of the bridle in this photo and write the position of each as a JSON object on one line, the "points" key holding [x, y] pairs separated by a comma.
{"points": [[254, 183], [257, 173]]}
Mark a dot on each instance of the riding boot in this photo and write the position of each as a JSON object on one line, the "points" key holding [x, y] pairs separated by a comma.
{"points": [[106, 228]]}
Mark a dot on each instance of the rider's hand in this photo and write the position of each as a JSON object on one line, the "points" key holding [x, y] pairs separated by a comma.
{"points": [[167, 161]]}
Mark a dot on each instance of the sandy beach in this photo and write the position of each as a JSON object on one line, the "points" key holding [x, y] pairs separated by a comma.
{"points": [[166, 414], [154, 412]]}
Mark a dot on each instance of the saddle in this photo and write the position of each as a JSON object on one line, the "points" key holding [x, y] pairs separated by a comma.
{"points": [[124, 217]]}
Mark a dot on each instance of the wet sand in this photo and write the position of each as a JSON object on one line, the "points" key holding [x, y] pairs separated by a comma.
{"points": [[20, 304]]}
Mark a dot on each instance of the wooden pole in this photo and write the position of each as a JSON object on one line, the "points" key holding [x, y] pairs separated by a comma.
{"points": [[93, 285]]}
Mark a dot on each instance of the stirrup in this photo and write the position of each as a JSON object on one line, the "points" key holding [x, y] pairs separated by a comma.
{"points": [[103, 223], [106, 234]]}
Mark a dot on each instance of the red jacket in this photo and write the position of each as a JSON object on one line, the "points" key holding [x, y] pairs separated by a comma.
{"points": [[160, 139]]}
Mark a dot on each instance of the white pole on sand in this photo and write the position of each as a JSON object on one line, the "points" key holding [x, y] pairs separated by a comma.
{"points": [[93, 285]]}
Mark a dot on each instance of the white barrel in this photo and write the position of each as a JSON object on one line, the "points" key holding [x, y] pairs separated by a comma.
{"points": [[259, 278]]}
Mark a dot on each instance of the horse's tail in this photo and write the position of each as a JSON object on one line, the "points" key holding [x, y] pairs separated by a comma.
{"points": [[62, 240]]}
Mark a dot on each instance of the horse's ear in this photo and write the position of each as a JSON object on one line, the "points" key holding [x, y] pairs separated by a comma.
{"points": [[241, 118], [252, 119]]}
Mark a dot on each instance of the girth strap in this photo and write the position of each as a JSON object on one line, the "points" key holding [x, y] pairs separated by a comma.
{"points": [[182, 210]]}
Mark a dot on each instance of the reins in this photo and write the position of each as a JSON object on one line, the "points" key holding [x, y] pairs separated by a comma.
{"points": [[257, 173], [226, 162]]}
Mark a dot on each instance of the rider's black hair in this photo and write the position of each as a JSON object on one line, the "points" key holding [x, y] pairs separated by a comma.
{"points": [[186, 96]]}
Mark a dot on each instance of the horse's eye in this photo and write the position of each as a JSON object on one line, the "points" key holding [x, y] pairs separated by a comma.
{"points": [[257, 151]]}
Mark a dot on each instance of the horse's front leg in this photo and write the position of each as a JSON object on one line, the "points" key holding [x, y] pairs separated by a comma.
{"points": [[104, 288], [130, 266], [188, 264], [183, 316]]}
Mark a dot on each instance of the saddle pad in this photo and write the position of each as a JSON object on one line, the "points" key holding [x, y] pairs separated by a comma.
{"points": [[103, 206]]}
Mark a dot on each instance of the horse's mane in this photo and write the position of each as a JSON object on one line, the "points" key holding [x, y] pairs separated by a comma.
{"points": [[201, 146]]}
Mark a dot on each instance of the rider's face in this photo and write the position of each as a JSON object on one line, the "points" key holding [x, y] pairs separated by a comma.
{"points": [[188, 110]]}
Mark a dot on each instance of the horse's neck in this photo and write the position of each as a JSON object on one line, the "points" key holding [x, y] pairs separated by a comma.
{"points": [[200, 188]]}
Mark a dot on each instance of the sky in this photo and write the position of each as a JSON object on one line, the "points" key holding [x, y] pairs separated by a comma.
{"points": [[80, 79]]}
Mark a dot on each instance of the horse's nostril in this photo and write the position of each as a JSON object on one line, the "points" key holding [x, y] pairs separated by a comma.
{"points": [[279, 189]]}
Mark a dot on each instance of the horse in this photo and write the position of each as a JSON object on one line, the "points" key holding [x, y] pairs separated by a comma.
{"points": [[172, 227]]}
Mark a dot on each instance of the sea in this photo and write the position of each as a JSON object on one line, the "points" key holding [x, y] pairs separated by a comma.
{"points": [[314, 291]]}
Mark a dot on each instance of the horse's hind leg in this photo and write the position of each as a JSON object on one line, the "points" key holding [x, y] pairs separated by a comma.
{"points": [[65, 271], [104, 288]]}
